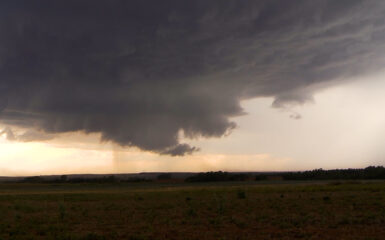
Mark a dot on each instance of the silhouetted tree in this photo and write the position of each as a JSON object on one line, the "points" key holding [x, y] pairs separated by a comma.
{"points": [[164, 176]]}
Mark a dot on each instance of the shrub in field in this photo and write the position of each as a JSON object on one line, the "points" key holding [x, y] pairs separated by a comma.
{"points": [[94, 236], [326, 198], [241, 194], [62, 212]]}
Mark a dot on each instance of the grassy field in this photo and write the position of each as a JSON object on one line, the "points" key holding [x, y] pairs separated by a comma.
{"points": [[193, 211]]}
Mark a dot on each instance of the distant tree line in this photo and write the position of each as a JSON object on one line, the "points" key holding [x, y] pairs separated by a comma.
{"points": [[218, 177], [65, 179], [370, 172], [164, 176]]}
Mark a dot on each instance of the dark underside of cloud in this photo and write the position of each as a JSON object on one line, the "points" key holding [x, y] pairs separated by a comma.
{"points": [[140, 72]]}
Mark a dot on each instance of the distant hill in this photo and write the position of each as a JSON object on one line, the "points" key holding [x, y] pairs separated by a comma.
{"points": [[371, 172]]}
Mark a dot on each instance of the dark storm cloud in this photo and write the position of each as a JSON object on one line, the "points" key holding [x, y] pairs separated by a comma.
{"points": [[139, 72], [180, 149]]}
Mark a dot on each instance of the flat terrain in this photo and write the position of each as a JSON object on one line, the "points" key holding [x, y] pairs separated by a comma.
{"points": [[350, 210]]}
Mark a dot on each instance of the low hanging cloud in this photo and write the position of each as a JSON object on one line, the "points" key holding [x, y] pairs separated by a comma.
{"points": [[8, 133], [28, 136], [139, 72]]}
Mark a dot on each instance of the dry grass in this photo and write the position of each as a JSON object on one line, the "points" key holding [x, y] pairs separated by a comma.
{"points": [[148, 211]]}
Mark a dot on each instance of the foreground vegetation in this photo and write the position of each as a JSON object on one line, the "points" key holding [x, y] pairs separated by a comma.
{"points": [[248, 210]]}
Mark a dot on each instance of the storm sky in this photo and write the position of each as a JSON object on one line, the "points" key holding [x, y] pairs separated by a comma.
{"points": [[168, 77]]}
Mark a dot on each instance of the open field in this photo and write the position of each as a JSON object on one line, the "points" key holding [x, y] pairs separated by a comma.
{"points": [[248, 210]]}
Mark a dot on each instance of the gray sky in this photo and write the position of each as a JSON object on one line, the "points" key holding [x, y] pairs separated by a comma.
{"points": [[292, 84]]}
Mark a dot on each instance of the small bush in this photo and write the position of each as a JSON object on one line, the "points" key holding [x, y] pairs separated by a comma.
{"points": [[326, 198], [241, 194]]}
